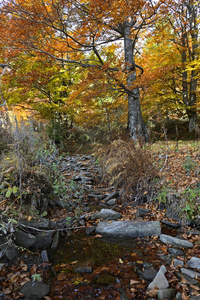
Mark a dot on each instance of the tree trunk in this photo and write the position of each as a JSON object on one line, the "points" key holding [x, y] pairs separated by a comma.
{"points": [[136, 124], [189, 83]]}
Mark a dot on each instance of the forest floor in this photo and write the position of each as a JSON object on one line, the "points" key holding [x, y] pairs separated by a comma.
{"points": [[179, 170]]}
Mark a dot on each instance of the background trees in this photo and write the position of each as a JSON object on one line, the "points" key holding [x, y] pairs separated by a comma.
{"points": [[89, 59]]}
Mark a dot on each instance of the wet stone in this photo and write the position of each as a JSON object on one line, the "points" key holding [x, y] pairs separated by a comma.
{"points": [[129, 229]]}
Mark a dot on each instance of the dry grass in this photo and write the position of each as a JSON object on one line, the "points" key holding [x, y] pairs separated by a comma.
{"points": [[127, 166]]}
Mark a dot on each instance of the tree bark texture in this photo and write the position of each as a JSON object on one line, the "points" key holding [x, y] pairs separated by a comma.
{"points": [[136, 124]]}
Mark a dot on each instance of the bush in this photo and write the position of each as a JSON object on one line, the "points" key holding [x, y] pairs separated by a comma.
{"points": [[127, 166]]}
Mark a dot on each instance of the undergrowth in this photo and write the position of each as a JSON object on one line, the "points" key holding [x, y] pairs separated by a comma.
{"points": [[128, 166]]}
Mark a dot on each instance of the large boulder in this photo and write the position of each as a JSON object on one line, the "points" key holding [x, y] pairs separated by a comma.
{"points": [[129, 229]]}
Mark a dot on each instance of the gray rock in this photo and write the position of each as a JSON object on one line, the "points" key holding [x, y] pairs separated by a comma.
{"points": [[166, 294], [10, 252], [111, 202], [84, 269], [178, 262], [24, 239], [44, 224], [43, 240], [111, 196], [190, 273], [170, 224], [107, 214], [169, 240], [142, 212], [129, 229], [160, 280], [178, 296], [194, 263], [63, 205], [188, 278], [175, 252], [55, 240], [90, 230], [149, 274], [34, 290]]}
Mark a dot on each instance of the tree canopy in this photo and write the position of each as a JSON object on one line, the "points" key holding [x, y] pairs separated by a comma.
{"points": [[87, 59]]}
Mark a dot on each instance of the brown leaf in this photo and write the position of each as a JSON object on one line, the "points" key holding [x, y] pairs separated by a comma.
{"points": [[15, 277], [185, 297], [62, 276], [33, 269], [153, 292]]}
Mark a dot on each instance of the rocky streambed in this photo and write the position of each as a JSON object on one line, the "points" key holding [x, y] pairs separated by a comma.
{"points": [[98, 249]]}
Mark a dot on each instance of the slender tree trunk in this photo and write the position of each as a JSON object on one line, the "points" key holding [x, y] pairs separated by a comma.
{"points": [[189, 83], [136, 124]]}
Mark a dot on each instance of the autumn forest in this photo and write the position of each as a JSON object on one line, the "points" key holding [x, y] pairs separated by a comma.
{"points": [[108, 63], [99, 149]]}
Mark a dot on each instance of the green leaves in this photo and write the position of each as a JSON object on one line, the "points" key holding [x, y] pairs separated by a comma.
{"points": [[11, 190]]}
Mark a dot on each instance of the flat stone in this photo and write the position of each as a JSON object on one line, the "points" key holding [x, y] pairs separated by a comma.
{"points": [[149, 274], [111, 196], [107, 214], [190, 273], [160, 280], [166, 294], [129, 229], [35, 290], [84, 269], [194, 263], [169, 240], [111, 202], [170, 224], [188, 278], [178, 262], [175, 252]]}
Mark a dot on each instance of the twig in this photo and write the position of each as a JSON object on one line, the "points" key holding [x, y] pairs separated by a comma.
{"points": [[164, 163]]}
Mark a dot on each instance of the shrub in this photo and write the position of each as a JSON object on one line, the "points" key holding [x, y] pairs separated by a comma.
{"points": [[127, 166]]}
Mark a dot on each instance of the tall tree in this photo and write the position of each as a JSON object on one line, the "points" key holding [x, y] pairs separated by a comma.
{"points": [[185, 23], [69, 30]]}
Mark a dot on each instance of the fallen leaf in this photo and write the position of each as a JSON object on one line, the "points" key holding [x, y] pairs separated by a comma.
{"points": [[74, 262], [153, 292], [98, 236], [61, 276], [132, 281]]}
